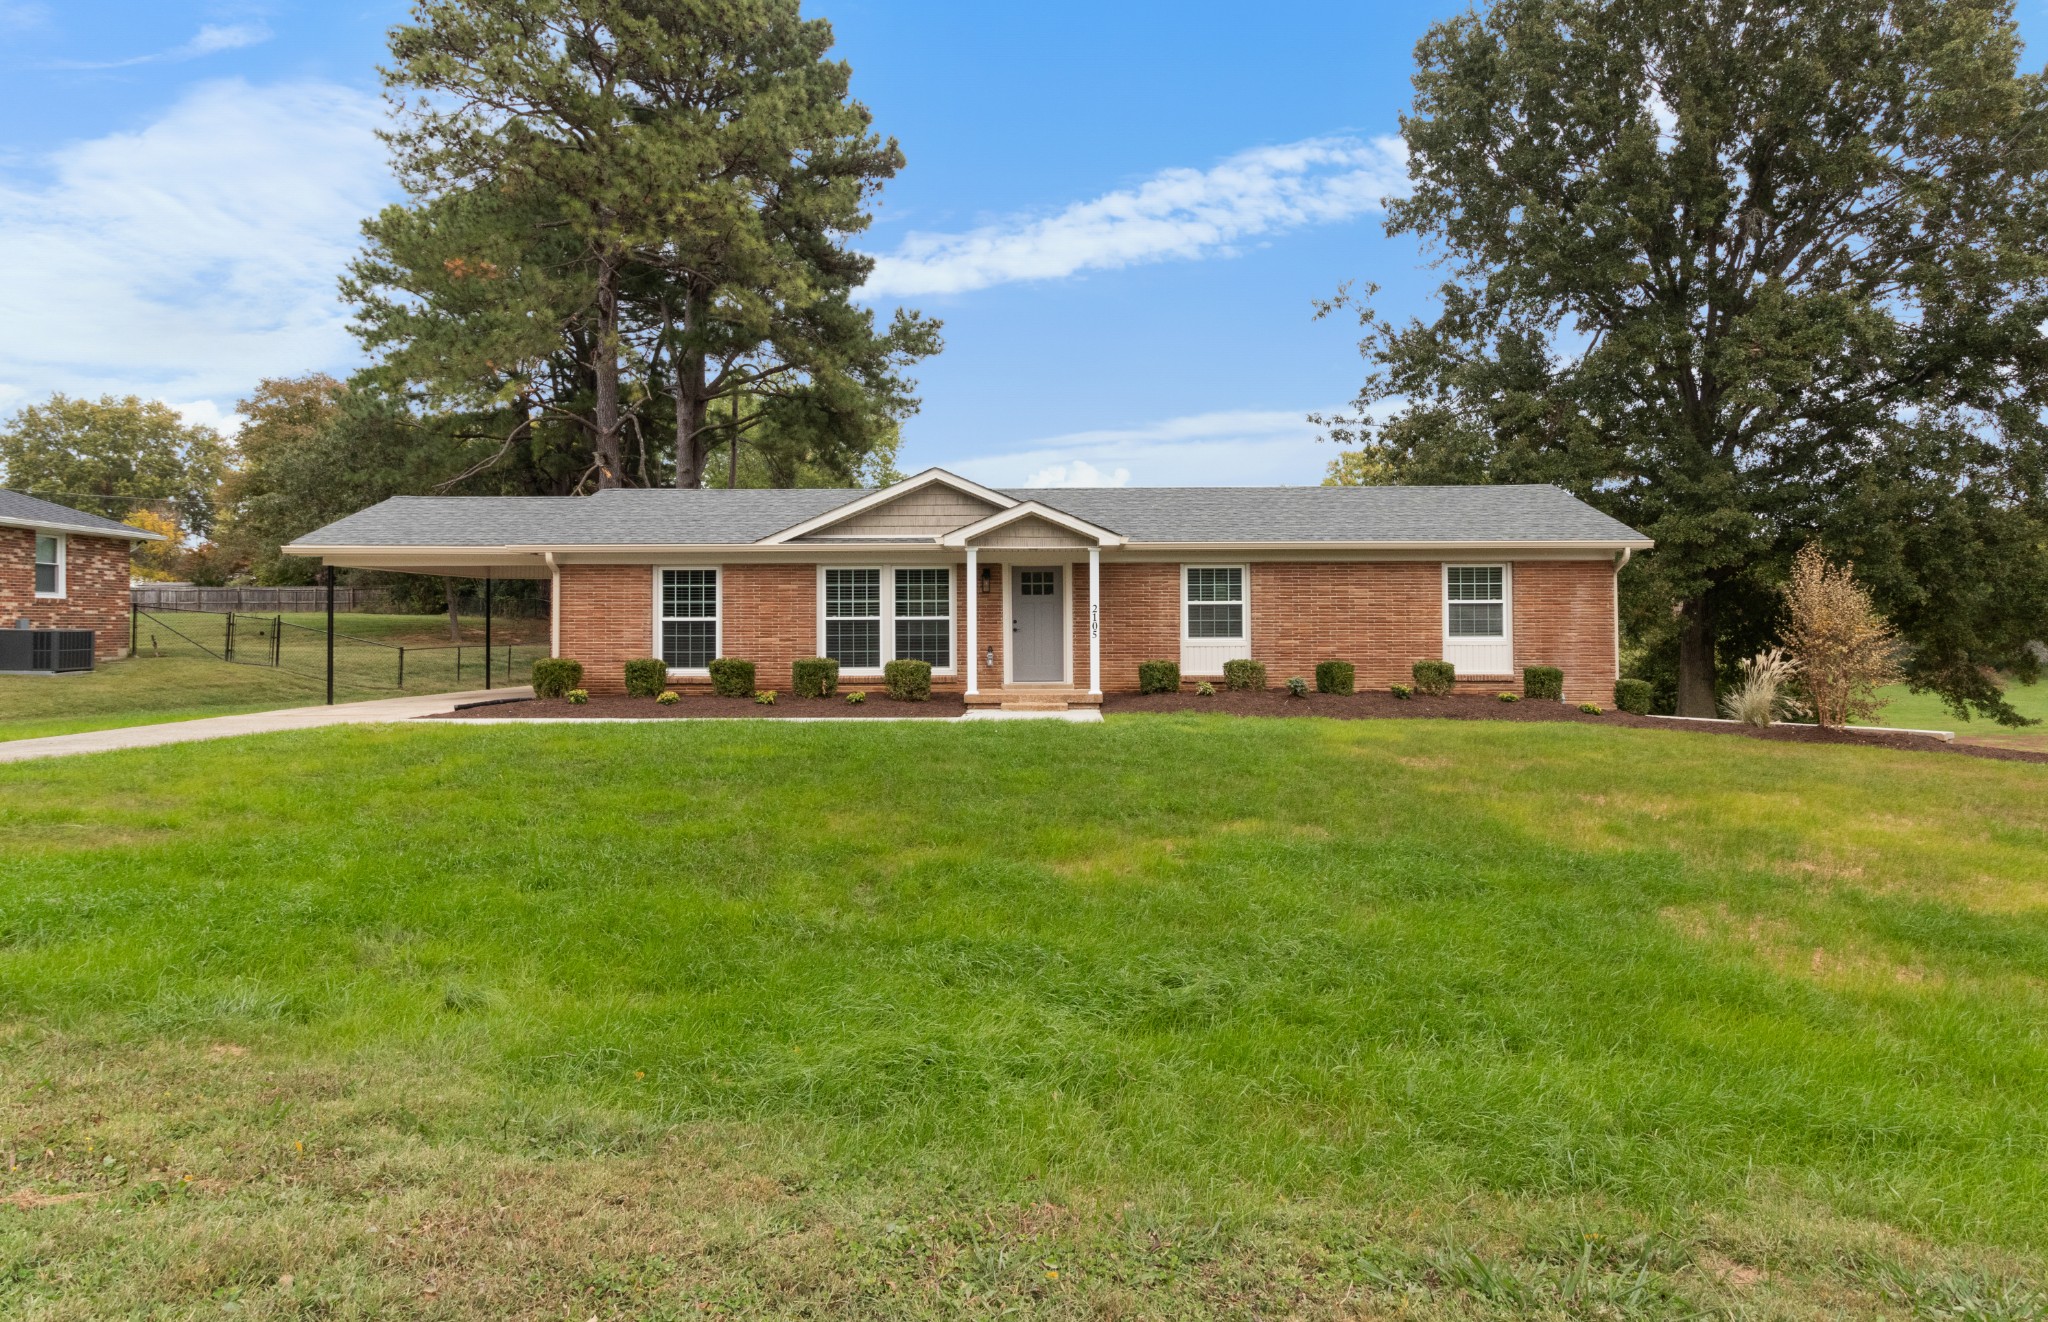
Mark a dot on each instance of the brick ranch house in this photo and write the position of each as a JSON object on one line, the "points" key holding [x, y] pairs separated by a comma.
{"points": [[1053, 594], [62, 568]]}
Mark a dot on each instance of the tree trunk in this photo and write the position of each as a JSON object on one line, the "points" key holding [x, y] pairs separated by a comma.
{"points": [[1696, 658], [454, 620], [605, 366], [692, 408]]}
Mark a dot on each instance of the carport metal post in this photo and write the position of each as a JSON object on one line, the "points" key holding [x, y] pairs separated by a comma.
{"points": [[330, 635], [487, 630]]}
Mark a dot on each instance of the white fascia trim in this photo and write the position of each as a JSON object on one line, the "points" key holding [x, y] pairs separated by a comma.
{"points": [[1306, 550], [82, 530], [883, 496], [1096, 533]]}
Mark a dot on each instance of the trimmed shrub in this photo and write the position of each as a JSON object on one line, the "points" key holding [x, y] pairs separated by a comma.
{"points": [[1543, 683], [766, 697], [1297, 687], [577, 697], [668, 697], [1633, 696], [646, 677], [1244, 676], [814, 677], [1590, 708], [1335, 676], [1159, 677], [857, 697], [1402, 691], [553, 677], [1435, 678], [908, 681], [1205, 689], [1509, 697], [732, 679]]}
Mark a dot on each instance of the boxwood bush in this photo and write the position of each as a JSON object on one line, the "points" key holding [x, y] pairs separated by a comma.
{"points": [[1335, 676], [732, 678], [1244, 676], [646, 677], [553, 677], [1435, 678], [814, 677], [1543, 682], [1159, 677], [1633, 695], [908, 681]]}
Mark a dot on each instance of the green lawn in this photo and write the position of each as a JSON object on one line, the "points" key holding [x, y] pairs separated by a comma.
{"points": [[174, 678], [1172, 1016], [1924, 711]]}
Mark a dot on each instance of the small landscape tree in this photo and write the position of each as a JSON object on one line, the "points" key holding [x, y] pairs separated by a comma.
{"points": [[1844, 649]]}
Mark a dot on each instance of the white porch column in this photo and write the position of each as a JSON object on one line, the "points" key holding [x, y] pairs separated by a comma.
{"points": [[973, 629], [1095, 621]]}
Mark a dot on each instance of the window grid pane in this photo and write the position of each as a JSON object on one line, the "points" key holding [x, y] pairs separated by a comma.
{"points": [[1474, 583], [1215, 621], [855, 644], [689, 594], [46, 578], [1038, 582], [1477, 620], [925, 640], [924, 593], [853, 594], [1215, 585], [689, 644]]}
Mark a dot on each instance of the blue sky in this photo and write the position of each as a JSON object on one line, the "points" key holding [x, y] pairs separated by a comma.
{"points": [[1122, 211]]}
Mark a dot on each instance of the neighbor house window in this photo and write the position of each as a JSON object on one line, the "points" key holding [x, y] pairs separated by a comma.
{"points": [[853, 617], [689, 618], [1475, 601], [1215, 602], [49, 565], [924, 616]]}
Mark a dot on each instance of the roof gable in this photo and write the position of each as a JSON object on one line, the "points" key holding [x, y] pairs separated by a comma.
{"points": [[922, 502]]}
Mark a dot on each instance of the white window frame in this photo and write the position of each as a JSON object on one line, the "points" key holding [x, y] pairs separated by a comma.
{"points": [[1487, 658], [717, 617], [955, 575], [63, 567], [1205, 656]]}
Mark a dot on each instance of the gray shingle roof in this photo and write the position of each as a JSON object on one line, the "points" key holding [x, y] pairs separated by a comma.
{"points": [[715, 517], [17, 509], [1337, 514]]}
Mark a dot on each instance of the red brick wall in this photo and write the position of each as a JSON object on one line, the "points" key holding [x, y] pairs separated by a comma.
{"points": [[1381, 617], [1564, 617], [95, 588]]}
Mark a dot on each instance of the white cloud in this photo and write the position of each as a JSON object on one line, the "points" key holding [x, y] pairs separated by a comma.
{"points": [[1178, 214], [22, 14], [209, 413], [189, 258], [1079, 473], [1235, 448], [211, 39]]}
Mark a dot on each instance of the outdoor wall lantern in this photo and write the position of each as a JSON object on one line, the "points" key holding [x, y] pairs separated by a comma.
{"points": [[985, 576], [990, 663]]}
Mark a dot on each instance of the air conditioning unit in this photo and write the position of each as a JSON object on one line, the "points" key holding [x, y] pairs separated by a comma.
{"points": [[52, 651]]}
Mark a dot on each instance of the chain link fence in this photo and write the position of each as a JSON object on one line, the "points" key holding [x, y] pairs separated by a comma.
{"points": [[360, 662]]}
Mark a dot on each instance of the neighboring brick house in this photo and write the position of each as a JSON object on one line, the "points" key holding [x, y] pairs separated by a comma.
{"points": [[1069, 588], [62, 568]]}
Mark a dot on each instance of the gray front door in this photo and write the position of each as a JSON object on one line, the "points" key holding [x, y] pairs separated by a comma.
{"points": [[1036, 632]]}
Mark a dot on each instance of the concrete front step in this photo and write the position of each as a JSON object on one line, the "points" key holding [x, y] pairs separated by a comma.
{"points": [[1031, 698]]}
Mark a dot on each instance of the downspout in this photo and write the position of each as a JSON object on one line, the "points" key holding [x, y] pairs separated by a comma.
{"points": [[1619, 565], [555, 604]]}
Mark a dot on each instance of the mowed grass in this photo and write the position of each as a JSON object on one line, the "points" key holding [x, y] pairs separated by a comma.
{"points": [[1181, 1016], [1925, 711], [172, 679]]}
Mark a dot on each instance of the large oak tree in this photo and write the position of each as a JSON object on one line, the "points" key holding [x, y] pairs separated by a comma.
{"points": [[1747, 275]]}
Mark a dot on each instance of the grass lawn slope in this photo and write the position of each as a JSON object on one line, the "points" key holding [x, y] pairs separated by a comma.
{"points": [[1172, 1016]]}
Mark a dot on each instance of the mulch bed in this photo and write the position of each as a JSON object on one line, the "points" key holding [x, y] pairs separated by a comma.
{"points": [[1471, 707], [700, 705], [1274, 702]]}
